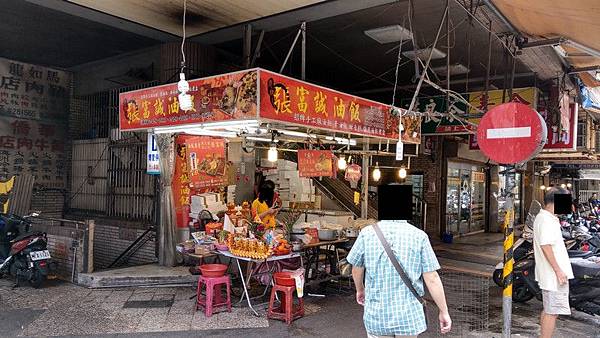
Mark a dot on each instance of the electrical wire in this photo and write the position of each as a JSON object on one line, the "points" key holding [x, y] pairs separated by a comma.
{"points": [[398, 66], [350, 62], [183, 39]]}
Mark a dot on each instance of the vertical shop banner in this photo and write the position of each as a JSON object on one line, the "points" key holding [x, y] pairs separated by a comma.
{"points": [[562, 132], [479, 100], [433, 123], [200, 166], [297, 102], [218, 98], [34, 106], [315, 163], [153, 161]]}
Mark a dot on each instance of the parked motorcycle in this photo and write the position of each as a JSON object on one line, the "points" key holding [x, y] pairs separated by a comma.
{"points": [[28, 258], [584, 289]]}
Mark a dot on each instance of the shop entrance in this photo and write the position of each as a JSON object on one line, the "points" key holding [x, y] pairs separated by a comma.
{"points": [[465, 198]]}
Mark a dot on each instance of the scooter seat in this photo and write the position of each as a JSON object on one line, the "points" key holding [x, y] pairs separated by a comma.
{"points": [[23, 236], [585, 268], [579, 254]]}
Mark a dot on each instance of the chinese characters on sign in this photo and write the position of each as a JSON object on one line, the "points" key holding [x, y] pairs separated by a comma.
{"points": [[315, 163], [234, 96], [479, 100], [34, 103], [217, 98], [434, 123], [290, 100], [200, 166]]}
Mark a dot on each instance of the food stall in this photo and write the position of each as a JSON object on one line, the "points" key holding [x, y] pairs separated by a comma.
{"points": [[253, 113]]}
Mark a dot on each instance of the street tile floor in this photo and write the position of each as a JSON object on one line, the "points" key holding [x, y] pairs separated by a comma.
{"points": [[63, 309]]}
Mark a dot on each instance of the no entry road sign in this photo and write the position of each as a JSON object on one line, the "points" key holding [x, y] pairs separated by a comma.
{"points": [[511, 133]]}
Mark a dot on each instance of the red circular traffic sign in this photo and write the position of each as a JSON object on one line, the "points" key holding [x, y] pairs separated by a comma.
{"points": [[511, 133]]}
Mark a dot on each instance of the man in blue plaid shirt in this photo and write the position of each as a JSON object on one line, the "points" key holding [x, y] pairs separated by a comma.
{"points": [[390, 309]]}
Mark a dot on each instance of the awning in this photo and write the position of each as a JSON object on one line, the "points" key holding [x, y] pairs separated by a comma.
{"points": [[576, 20], [590, 97]]}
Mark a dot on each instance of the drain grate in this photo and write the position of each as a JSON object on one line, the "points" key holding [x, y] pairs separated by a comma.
{"points": [[148, 304]]}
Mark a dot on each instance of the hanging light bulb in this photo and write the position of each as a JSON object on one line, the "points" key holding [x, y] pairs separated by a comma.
{"points": [[272, 154], [563, 186], [542, 187], [569, 185], [376, 172], [185, 99], [342, 164], [402, 173]]}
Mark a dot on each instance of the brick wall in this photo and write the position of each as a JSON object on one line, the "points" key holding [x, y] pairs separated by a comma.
{"points": [[49, 202], [111, 241], [431, 167], [61, 243]]}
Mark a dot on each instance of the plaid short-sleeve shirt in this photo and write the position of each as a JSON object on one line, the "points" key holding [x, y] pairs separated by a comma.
{"points": [[390, 308]]}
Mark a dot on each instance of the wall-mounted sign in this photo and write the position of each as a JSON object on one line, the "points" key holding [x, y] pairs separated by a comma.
{"points": [[434, 124], [289, 100], [527, 96], [153, 160], [217, 98], [315, 163], [34, 106]]}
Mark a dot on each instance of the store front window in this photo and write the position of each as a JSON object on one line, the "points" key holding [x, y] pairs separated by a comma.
{"points": [[465, 198]]}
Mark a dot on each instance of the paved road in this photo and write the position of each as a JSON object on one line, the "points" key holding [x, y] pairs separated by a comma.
{"points": [[63, 309]]}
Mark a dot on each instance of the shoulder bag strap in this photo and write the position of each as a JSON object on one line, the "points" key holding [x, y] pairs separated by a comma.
{"points": [[394, 260]]}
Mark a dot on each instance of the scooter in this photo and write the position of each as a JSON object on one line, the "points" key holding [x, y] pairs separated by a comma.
{"points": [[28, 258], [584, 289]]}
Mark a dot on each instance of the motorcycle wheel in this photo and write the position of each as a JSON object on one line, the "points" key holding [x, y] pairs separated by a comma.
{"points": [[497, 277], [37, 278], [522, 294]]}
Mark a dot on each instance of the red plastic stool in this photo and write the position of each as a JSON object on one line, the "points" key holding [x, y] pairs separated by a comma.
{"points": [[213, 297], [287, 311]]}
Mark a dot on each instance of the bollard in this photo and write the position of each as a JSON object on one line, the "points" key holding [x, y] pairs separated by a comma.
{"points": [[507, 273]]}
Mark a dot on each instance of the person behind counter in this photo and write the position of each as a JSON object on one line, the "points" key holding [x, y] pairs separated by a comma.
{"points": [[267, 205]]}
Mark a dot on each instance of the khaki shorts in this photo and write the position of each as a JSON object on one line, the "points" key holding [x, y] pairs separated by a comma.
{"points": [[557, 302]]}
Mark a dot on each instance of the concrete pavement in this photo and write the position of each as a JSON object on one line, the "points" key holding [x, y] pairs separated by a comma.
{"points": [[63, 309]]}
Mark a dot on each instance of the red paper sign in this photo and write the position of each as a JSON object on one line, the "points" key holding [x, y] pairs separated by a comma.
{"points": [[315, 163], [289, 100], [218, 98]]}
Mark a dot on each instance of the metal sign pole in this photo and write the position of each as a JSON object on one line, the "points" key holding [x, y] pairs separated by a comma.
{"points": [[509, 261]]}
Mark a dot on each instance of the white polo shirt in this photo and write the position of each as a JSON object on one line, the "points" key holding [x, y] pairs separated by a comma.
{"points": [[547, 231]]}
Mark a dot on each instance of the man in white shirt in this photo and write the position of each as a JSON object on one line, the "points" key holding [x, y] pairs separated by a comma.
{"points": [[552, 265]]}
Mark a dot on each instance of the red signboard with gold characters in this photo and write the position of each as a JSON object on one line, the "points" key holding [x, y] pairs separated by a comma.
{"points": [[289, 100], [315, 163], [218, 98], [266, 96]]}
